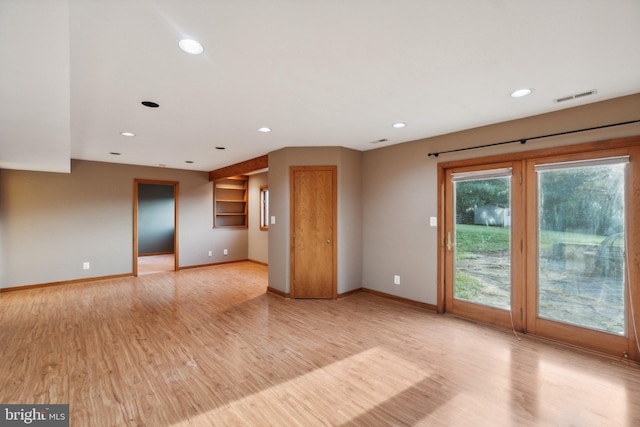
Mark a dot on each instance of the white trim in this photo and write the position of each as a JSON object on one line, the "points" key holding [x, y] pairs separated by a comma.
{"points": [[482, 174], [618, 160]]}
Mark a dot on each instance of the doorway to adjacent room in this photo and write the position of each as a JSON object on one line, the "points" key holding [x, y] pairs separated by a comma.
{"points": [[155, 233]]}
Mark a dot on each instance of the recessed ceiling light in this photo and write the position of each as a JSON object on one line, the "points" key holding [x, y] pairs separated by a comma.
{"points": [[150, 104], [521, 92], [399, 125], [264, 130], [191, 46], [220, 148], [127, 134]]}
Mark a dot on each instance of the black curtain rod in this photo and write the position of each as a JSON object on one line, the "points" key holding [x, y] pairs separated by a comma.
{"points": [[524, 140]]}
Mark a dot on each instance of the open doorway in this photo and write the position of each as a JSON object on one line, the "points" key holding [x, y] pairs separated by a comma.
{"points": [[155, 226]]}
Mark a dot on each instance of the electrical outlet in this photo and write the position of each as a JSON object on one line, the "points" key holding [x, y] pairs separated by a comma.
{"points": [[396, 279], [210, 253], [86, 266], [225, 252]]}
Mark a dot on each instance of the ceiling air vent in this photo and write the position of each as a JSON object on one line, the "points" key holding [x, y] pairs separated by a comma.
{"points": [[576, 96]]}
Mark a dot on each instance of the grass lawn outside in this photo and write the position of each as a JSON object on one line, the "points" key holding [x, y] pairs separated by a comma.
{"points": [[474, 240], [569, 291]]}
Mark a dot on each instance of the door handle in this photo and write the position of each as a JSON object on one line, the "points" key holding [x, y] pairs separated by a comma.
{"points": [[449, 243]]}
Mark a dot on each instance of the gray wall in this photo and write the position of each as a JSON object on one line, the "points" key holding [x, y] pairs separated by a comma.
{"points": [[52, 223], [155, 218], [258, 239], [348, 164], [400, 189], [399, 196]]}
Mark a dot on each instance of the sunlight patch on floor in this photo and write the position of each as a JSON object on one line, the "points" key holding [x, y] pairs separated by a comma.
{"points": [[537, 395], [600, 395], [332, 394]]}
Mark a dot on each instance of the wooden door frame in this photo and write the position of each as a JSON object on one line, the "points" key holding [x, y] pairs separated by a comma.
{"points": [[334, 273], [176, 186]]}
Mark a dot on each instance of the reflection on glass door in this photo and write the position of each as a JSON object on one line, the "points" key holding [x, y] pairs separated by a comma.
{"points": [[581, 215], [482, 260]]}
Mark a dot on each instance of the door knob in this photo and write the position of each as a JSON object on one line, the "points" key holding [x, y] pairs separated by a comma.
{"points": [[328, 240]]}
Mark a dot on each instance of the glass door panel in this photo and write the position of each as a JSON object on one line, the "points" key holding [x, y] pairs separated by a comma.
{"points": [[482, 233], [581, 217]]}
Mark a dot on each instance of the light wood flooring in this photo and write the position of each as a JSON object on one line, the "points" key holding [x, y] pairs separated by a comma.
{"points": [[208, 346], [150, 264]]}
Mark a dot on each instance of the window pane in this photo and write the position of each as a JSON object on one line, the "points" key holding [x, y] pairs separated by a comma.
{"points": [[483, 241], [581, 247], [264, 207]]}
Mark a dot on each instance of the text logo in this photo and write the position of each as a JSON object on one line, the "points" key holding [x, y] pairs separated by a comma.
{"points": [[34, 415]]}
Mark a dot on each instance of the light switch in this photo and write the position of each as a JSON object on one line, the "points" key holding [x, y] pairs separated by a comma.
{"points": [[273, 219], [433, 221]]}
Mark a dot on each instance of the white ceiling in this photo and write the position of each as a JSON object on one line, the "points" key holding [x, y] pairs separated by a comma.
{"points": [[332, 72]]}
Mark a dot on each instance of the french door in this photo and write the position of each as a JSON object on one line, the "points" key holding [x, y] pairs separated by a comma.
{"points": [[540, 244], [576, 265], [483, 261]]}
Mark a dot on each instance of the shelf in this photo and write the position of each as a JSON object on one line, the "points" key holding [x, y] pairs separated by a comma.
{"points": [[230, 187], [228, 221], [230, 207]]}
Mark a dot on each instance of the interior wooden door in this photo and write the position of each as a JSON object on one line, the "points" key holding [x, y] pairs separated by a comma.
{"points": [[313, 232]]}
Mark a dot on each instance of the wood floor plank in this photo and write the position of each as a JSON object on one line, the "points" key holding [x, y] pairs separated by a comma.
{"points": [[208, 346], [150, 264]]}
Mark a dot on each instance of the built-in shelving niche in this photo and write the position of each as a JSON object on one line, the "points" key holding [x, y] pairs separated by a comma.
{"points": [[230, 202]]}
